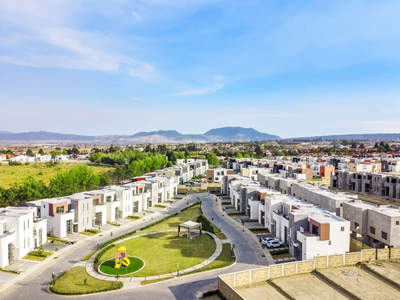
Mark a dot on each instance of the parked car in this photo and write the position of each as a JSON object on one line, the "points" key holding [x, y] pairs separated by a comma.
{"points": [[266, 239], [274, 244]]}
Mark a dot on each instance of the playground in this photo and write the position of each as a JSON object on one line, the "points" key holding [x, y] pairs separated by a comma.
{"points": [[161, 252]]}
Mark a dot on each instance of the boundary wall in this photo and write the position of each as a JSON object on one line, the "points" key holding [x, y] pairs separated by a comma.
{"points": [[228, 282]]}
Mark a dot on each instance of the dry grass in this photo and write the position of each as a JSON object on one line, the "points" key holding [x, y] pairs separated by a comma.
{"points": [[17, 174]]}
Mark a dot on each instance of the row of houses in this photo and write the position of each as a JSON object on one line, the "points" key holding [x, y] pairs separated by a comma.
{"points": [[25, 228], [309, 167], [81, 211], [311, 219], [384, 185], [21, 232]]}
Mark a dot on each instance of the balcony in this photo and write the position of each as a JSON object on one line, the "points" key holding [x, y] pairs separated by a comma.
{"points": [[7, 233]]}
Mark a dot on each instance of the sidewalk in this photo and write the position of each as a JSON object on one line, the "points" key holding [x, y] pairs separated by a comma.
{"points": [[133, 282], [247, 234], [9, 285]]}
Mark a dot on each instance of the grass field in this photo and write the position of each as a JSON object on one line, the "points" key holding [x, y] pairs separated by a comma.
{"points": [[163, 251], [108, 267], [17, 174], [73, 283], [34, 255], [190, 214]]}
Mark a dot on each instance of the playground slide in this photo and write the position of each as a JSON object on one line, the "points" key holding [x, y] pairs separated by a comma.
{"points": [[117, 266], [126, 262]]}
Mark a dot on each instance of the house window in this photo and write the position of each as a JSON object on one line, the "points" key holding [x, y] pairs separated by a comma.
{"points": [[329, 243], [397, 222], [356, 225], [342, 228], [108, 198], [384, 235], [372, 230], [60, 210]]}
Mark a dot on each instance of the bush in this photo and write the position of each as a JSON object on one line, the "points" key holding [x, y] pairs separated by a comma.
{"points": [[277, 252], [100, 254], [14, 163]]}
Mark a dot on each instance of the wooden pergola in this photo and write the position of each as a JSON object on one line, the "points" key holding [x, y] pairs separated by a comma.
{"points": [[189, 225]]}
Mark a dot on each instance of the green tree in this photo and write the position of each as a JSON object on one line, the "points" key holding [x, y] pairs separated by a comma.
{"points": [[258, 150], [29, 152], [41, 152], [212, 159], [239, 155]]}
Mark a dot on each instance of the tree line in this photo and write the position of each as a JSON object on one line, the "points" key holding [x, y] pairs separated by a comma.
{"points": [[78, 179]]}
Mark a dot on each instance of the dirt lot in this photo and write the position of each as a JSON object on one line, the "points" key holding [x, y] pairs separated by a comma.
{"points": [[389, 269], [260, 291], [300, 286], [361, 283]]}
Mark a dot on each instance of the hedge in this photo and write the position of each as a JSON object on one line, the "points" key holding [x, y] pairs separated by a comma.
{"points": [[100, 254], [277, 252]]}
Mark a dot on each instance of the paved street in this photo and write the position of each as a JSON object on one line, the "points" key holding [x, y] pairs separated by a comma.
{"points": [[247, 248]]}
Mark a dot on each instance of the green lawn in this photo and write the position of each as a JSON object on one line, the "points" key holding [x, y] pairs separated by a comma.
{"points": [[192, 213], [223, 260], [163, 251], [160, 206], [133, 218], [73, 283], [35, 255], [108, 266], [90, 232], [17, 174]]}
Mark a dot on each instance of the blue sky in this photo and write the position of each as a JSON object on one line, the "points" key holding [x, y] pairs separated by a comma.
{"points": [[290, 68]]}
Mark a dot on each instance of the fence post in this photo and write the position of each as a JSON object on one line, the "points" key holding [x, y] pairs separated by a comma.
{"points": [[250, 276], [296, 267], [344, 259], [314, 263], [234, 279], [269, 273], [283, 269], [361, 252], [327, 261]]}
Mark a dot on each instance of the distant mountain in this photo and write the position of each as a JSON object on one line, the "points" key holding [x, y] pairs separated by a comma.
{"points": [[43, 136], [165, 133], [154, 137], [366, 136], [3, 132], [241, 134]]}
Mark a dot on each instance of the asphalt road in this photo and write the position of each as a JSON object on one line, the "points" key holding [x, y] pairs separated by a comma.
{"points": [[35, 286]]}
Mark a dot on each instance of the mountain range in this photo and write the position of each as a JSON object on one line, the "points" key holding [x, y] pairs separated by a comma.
{"points": [[224, 134]]}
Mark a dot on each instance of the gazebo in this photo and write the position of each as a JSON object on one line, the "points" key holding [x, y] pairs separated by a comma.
{"points": [[189, 225]]}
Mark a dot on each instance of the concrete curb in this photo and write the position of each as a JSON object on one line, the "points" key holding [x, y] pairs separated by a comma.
{"points": [[90, 263]]}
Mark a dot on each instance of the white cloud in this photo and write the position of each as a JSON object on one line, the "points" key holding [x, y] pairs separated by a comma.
{"points": [[136, 16], [138, 99], [219, 82], [46, 35]]}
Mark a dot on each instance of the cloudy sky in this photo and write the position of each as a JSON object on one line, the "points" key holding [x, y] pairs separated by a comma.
{"points": [[290, 68]]}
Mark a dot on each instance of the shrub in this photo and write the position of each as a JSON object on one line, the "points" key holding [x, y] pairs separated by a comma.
{"points": [[277, 252], [100, 254]]}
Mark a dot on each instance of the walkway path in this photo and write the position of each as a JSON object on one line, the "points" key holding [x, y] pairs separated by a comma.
{"points": [[136, 280]]}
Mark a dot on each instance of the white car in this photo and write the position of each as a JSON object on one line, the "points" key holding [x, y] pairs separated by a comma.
{"points": [[265, 240], [274, 244]]}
